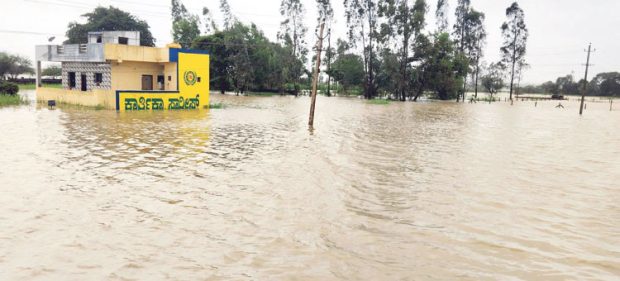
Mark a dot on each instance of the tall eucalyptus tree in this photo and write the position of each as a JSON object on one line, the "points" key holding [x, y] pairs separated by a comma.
{"points": [[405, 21], [362, 19], [292, 34], [475, 41], [515, 35], [441, 15]]}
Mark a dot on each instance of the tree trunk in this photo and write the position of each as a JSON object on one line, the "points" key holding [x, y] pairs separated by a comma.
{"points": [[514, 61], [315, 79], [476, 80]]}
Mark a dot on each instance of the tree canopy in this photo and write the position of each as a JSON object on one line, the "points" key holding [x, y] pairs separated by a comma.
{"points": [[14, 65], [108, 19]]}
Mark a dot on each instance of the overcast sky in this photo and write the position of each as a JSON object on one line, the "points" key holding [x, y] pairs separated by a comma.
{"points": [[560, 30]]}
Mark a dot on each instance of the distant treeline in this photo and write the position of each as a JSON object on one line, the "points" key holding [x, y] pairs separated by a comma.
{"points": [[387, 53], [604, 84], [33, 80]]}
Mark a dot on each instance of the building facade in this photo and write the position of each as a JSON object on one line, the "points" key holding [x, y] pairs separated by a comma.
{"points": [[113, 71]]}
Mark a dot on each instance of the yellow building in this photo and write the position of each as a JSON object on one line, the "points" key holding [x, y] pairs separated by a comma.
{"points": [[113, 71]]}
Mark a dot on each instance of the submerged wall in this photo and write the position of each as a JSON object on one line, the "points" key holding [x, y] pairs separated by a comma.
{"points": [[94, 98]]}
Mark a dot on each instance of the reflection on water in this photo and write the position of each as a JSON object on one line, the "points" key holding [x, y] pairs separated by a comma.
{"points": [[402, 191]]}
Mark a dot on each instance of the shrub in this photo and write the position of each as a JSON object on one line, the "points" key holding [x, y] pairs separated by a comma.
{"points": [[8, 88]]}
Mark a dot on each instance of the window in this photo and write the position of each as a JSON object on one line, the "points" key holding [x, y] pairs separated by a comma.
{"points": [[98, 79], [83, 48], [123, 40], [60, 50], [99, 39], [169, 78]]}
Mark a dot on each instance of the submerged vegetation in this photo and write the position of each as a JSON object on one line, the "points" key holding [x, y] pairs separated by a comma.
{"points": [[218, 105], [6, 100], [9, 94]]}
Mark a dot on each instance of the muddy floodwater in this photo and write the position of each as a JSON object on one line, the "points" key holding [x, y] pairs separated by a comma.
{"points": [[404, 191]]}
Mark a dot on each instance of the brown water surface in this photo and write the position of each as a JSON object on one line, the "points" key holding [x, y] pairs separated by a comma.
{"points": [[402, 191]]}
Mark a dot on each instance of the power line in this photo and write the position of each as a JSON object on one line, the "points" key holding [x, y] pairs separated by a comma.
{"points": [[21, 32]]}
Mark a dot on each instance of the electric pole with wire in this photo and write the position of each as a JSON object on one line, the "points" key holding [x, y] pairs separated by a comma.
{"points": [[315, 79], [585, 80]]}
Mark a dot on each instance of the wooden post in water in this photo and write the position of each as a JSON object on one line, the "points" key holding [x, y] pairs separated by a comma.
{"points": [[315, 78], [585, 81]]}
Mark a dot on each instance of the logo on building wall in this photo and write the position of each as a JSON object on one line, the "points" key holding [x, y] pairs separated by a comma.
{"points": [[190, 78]]}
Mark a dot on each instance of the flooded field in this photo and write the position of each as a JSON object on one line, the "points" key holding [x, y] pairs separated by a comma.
{"points": [[401, 191]]}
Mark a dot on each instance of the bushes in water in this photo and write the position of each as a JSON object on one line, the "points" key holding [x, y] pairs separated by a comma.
{"points": [[8, 88]]}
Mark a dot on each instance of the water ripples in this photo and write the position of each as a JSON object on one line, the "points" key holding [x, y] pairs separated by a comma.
{"points": [[397, 192]]}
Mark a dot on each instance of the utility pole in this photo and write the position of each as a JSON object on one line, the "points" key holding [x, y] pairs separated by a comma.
{"points": [[315, 78], [329, 61], [585, 80]]}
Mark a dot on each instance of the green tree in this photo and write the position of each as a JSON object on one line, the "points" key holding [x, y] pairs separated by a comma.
{"points": [[441, 15], [186, 30], [243, 59], [362, 19], [493, 80], [460, 26], [52, 71], [606, 84], [348, 70], [446, 68], [550, 87], [567, 86], [14, 65], [178, 10], [515, 35], [108, 19], [6, 63], [210, 25], [229, 18], [475, 43], [405, 22], [292, 34]]}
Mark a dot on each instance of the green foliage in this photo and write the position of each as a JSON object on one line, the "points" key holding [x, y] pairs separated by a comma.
{"points": [[229, 19], [108, 19], [7, 100], [34, 86], [441, 15], [186, 30], [605, 84], [14, 65], [218, 105], [185, 26], [293, 34], [348, 70], [243, 59], [446, 68], [404, 24], [52, 71], [493, 80], [379, 102], [515, 35], [8, 88], [362, 19]]}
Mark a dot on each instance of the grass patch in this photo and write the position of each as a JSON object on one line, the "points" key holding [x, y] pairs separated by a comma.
{"points": [[489, 99], [379, 102], [7, 100], [218, 105], [262, 94], [33, 86]]}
